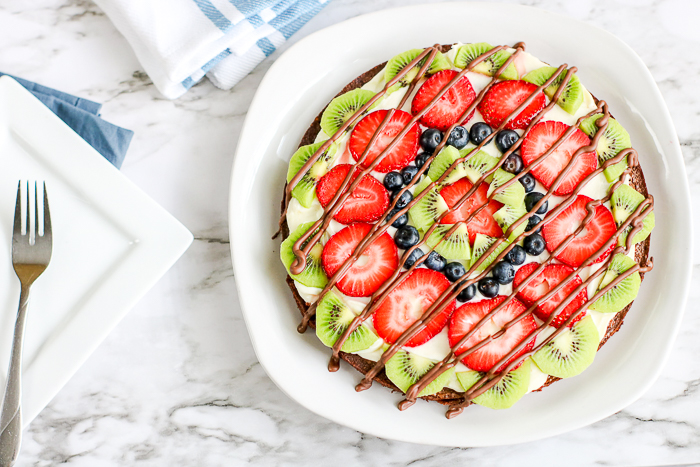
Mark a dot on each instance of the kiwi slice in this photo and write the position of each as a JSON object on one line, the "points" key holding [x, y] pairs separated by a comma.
{"points": [[570, 352], [305, 189], [477, 164], [456, 246], [445, 158], [490, 66], [313, 274], [507, 215], [623, 293], [342, 108], [505, 393], [404, 369], [481, 244], [614, 140], [427, 209], [421, 185], [570, 99], [624, 201], [333, 317], [513, 195], [397, 63]]}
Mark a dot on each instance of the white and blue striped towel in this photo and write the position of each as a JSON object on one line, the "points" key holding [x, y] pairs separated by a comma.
{"points": [[178, 42]]}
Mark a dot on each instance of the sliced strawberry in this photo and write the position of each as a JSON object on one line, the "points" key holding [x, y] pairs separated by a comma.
{"points": [[483, 222], [541, 138], [451, 105], [503, 98], [371, 270], [406, 304], [546, 280], [596, 233], [400, 156], [465, 318], [368, 201]]}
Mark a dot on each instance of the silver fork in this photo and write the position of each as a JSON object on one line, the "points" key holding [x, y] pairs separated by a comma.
{"points": [[29, 261]]}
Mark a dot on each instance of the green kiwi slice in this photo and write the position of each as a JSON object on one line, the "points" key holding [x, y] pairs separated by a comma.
{"points": [[614, 140], [513, 195], [445, 158], [422, 185], [481, 244], [507, 215], [313, 274], [340, 109], [397, 63], [505, 393], [333, 317], [427, 209], [305, 189], [404, 369], [624, 202], [570, 352], [490, 66], [477, 164], [456, 246], [570, 99], [623, 293]]}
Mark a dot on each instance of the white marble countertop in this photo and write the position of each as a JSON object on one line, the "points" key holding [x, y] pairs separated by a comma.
{"points": [[177, 382]]}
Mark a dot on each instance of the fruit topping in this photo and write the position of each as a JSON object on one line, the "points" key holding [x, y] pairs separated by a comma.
{"points": [[513, 194], [401, 220], [399, 62], [435, 262], [481, 244], [430, 139], [570, 98], [513, 164], [367, 202], [404, 369], [449, 108], [488, 287], [614, 139], [467, 294], [333, 316], [459, 137], [505, 139], [313, 274], [414, 257], [516, 255], [505, 393], [484, 221], [454, 271], [624, 292], [452, 246], [532, 222], [533, 198], [479, 132], [422, 158], [393, 181], [503, 272], [404, 198], [342, 108], [571, 352], [489, 66], [406, 237], [534, 244], [407, 173], [528, 182], [504, 98], [305, 189], [625, 201]]}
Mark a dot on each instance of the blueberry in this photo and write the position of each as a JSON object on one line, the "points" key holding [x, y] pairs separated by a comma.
{"points": [[467, 294], [406, 237], [532, 222], [393, 181], [528, 182], [459, 137], [404, 199], [454, 271], [533, 198], [421, 158], [430, 139], [408, 173], [435, 262], [503, 272], [479, 132], [505, 139], [534, 244], [488, 287], [413, 257], [401, 220], [516, 256], [513, 164]]}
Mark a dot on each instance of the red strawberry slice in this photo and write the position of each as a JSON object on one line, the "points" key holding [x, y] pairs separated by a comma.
{"points": [[542, 137], [400, 156], [448, 110], [596, 233], [368, 201], [503, 98], [468, 315], [371, 270], [406, 304], [483, 222], [550, 277]]}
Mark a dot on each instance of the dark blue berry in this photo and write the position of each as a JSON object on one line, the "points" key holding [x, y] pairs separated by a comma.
{"points": [[533, 198], [454, 271], [393, 181], [532, 223], [459, 137], [430, 139], [516, 256], [413, 257], [435, 262], [503, 272], [478, 132], [488, 287], [401, 220], [421, 158], [406, 237], [534, 244], [408, 173], [513, 164], [467, 294], [505, 139], [528, 182], [404, 199]]}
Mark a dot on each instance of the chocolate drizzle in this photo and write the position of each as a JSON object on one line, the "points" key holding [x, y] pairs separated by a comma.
{"points": [[492, 377]]}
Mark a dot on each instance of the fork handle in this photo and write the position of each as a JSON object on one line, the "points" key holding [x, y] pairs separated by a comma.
{"points": [[11, 417]]}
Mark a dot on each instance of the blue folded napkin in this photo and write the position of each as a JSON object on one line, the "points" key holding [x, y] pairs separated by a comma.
{"points": [[83, 117]]}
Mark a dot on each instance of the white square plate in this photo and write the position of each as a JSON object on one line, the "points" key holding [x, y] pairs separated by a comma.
{"points": [[302, 81], [111, 244]]}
